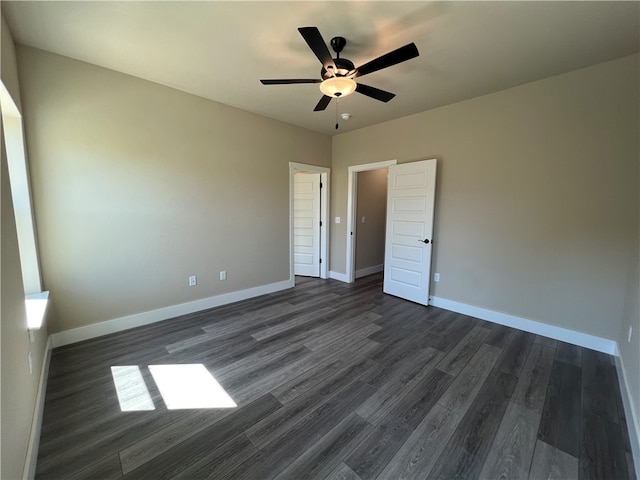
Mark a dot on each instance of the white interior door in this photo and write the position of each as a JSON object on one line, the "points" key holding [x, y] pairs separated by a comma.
{"points": [[410, 203], [306, 224]]}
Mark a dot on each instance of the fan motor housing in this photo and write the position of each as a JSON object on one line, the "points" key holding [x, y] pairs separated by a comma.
{"points": [[343, 67]]}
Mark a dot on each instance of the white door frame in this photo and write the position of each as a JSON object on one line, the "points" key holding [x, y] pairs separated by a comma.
{"points": [[325, 175], [352, 197]]}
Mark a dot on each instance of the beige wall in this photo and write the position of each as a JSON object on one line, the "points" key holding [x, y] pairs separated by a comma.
{"points": [[630, 350], [371, 204], [536, 202], [18, 387], [137, 186], [8, 68]]}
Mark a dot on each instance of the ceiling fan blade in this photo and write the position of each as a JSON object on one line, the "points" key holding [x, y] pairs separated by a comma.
{"points": [[289, 81], [318, 46], [399, 55], [374, 92], [322, 104]]}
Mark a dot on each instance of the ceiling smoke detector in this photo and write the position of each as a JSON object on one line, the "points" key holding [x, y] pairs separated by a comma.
{"points": [[345, 116]]}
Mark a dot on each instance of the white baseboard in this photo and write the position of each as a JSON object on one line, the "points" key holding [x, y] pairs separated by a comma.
{"points": [[633, 422], [31, 460], [363, 272], [144, 318], [338, 276], [593, 342]]}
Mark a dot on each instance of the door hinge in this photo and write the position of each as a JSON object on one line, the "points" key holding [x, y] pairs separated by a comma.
{"points": [[320, 260], [320, 222], [320, 184]]}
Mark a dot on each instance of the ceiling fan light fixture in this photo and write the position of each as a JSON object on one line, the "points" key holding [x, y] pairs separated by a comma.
{"points": [[338, 86]]}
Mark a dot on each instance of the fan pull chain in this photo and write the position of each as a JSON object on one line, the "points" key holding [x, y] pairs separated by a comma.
{"points": [[336, 113]]}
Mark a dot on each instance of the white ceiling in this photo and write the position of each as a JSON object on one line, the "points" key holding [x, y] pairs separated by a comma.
{"points": [[220, 50]]}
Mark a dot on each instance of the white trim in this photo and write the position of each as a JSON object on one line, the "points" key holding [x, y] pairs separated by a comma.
{"points": [[593, 342], [363, 272], [325, 176], [351, 213], [36, 424], [338, 276], [633, 422], [17, 165], [144, 318]]}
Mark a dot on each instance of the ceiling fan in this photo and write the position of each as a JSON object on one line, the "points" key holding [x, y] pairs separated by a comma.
{"points": [[338, 74]]}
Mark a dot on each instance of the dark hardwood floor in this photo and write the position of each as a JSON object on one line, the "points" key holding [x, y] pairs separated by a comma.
{"points": [[337, 381]]}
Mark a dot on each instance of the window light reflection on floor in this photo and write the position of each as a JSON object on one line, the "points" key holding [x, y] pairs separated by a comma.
{"points": [[133, 394], [189, 386]]}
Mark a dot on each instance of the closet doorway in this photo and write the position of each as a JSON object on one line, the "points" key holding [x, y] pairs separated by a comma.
{"points": [[308, 220]]}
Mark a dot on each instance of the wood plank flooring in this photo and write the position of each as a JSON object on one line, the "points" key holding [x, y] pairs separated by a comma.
{"points": [[337, 381]]}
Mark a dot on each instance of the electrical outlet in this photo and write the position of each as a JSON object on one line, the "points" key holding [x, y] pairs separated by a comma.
{"points": [[30, 364], [363, 219], [223, 275], [436, 277], [193, 281], [630, 332], [337, 219]]}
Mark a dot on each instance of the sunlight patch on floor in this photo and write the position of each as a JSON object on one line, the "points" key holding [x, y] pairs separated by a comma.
{"points": [[189, 386], [133, 394]]}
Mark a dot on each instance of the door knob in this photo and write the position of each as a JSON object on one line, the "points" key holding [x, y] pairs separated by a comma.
{"points": [[426, 240]]}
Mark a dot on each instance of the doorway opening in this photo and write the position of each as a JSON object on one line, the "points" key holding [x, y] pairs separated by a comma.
{"points": [[308, 220], [370, 221], [352, 216]]}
